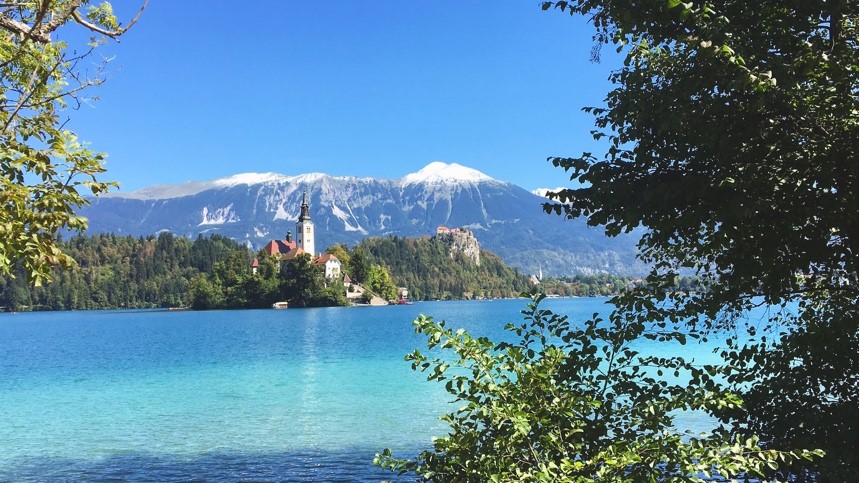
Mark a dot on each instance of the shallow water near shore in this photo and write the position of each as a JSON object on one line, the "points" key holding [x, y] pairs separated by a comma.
{"points": [[298, 395]]}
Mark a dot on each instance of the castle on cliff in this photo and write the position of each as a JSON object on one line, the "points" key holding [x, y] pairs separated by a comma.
{"points": [[460, 240]]}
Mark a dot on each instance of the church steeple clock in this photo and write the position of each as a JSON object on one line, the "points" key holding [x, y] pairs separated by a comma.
{"points": [[304, 228]]}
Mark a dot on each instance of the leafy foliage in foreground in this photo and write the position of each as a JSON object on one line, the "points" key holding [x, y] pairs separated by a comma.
{"points": [[575, 403], [732, 139], [44, 169]]}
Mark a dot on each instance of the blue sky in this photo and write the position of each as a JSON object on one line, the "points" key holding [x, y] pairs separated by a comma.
{"points": [[200, 90]]}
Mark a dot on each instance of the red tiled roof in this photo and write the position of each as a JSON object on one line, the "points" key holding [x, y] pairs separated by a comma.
{"points": [[255, 263], [279, 246], [323, 259]]}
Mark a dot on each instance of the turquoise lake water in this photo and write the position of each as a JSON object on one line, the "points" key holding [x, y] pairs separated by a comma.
{"points": [[294, 395]]}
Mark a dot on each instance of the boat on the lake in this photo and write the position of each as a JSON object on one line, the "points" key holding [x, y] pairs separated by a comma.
{"points": [[280, 305]]}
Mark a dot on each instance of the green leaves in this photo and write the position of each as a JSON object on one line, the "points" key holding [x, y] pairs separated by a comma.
{"points": [[46, 171], [570, 402], [103, 15], [730, 141]]}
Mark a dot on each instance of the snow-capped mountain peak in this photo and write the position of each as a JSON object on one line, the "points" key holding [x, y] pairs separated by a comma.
{"points": [[437, 171], [254, 207], [433, 173]]}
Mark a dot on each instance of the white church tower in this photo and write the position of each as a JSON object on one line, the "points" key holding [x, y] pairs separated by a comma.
{"points": [[304, 229]]}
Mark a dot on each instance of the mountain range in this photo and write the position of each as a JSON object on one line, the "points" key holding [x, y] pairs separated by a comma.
{"points": [[254, 208]]}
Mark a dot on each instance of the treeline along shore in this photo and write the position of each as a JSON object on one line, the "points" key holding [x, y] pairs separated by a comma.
{"points": [[115, 272]]}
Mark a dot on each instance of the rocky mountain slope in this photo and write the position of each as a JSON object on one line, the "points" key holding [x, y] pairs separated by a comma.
{"points": [[254, 208]]}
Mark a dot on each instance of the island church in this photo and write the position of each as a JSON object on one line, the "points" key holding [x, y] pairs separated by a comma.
{"points": [[287, 249]]}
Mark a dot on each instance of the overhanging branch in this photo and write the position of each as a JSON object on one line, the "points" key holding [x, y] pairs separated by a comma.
{"points": [[110, 33]]}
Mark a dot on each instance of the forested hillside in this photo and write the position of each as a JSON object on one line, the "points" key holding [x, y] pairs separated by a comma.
{"points": [[172, 271], [122, 272], [426, 268]]}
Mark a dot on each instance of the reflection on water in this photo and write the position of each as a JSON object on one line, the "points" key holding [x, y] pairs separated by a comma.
{"points": [[308, 390]]}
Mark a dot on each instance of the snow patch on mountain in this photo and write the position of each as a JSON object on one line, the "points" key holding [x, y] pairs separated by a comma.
{"points": [[438, 172], [344, 217], [306, 178], [219, 216], [281, 214]]}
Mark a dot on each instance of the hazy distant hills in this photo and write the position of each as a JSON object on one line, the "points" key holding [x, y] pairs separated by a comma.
{"points": [[254, 208]]}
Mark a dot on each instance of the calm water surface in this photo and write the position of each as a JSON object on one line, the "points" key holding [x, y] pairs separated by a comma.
{"points": [[294, 395]]}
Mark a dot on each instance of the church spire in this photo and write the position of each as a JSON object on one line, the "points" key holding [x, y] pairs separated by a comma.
{"points": [[305, 209], [304, 228]]}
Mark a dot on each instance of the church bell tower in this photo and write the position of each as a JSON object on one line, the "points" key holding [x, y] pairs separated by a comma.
{"points": [[304, 229]]}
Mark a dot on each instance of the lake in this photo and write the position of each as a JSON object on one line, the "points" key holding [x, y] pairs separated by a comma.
{"points": [[295, 395]]}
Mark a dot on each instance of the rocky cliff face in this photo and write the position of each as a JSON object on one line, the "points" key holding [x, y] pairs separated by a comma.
{"points": [[254, 208], [460, 241]]}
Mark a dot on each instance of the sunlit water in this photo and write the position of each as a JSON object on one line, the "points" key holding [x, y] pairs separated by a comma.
{"points": [[296, 395]]}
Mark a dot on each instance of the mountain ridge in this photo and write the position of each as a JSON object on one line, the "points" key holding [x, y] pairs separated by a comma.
{"points": [[255, 207], [436, 172]]}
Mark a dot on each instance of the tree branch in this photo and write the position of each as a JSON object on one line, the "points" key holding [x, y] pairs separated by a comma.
{"points": [[110, 33], [45, 30], [22, 29], [25, 96], [25, 37]]}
